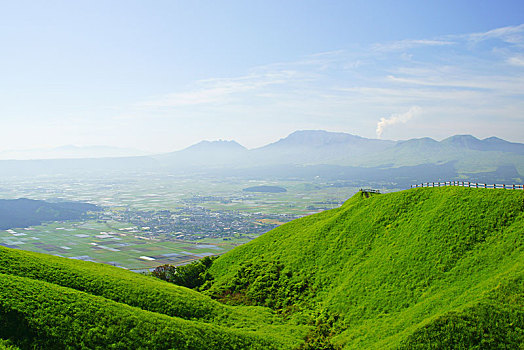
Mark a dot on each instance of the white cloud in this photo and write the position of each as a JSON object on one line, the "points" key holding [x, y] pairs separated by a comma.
{"points": [[516, 61], [409, 44], [219, 90], [509, 34], [396, 119]]}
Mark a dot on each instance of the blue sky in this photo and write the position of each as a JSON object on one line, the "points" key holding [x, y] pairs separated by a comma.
{"points": [[161, 75]]}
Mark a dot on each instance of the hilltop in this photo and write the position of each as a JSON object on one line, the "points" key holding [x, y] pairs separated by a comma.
{"points": [[401, 269], [422, 268]]}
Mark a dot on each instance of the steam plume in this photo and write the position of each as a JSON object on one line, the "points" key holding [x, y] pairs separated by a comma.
{"points": [[396, 119]]}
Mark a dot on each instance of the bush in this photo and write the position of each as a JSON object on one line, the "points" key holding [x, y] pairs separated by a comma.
{"points": [[191, 276]]}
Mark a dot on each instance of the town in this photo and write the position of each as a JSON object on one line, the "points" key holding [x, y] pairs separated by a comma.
{"points": [[195, 222]]}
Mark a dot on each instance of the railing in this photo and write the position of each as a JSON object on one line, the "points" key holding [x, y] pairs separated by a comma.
{"points": [[469, 184]]}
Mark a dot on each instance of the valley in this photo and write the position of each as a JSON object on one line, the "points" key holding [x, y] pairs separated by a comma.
{"points": [[149, 220], [418, 268]]}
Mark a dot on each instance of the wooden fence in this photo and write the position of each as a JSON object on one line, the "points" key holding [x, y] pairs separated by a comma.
{"points": [[469, 184]]}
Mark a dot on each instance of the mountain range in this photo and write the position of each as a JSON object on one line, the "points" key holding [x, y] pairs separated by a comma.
{"points": [[317, 153]]}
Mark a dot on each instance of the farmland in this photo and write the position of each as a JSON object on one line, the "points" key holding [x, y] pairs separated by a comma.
{"points": [[163, 191], [152, 220], [103, 242]]}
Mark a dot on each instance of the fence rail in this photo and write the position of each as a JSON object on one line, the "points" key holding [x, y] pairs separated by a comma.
{"points": [[469, 184]]}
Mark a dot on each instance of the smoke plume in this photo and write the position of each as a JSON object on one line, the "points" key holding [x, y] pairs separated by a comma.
{"points": [[396, 119]]}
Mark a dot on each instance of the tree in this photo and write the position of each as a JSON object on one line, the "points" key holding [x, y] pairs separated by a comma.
{"points": [[192, 275]]}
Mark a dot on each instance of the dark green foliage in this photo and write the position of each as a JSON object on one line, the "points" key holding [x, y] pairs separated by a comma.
{"points": [[319, 337], [7, 345], [192, 275], [265, 283], [27, 212]]}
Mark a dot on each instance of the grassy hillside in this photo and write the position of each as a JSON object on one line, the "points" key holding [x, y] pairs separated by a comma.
{"points": [[417, 269], [38, 313], [159, 307], [401, 269]]}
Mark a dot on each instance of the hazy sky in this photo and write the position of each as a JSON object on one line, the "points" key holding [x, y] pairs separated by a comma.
{"points": [[161, 75]]}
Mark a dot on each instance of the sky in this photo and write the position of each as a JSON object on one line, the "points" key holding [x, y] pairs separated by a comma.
{"points": [[158, 76]]}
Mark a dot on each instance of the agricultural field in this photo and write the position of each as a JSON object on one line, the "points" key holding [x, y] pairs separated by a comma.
{"points": [[150, 220], [111, 243], [164, 192]]}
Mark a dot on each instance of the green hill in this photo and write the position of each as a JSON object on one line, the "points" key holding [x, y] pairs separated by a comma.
{"points": [[419, 269], [25, 212], [42, 294], [407, 269]]}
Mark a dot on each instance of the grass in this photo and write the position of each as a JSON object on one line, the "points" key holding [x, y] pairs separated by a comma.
{"points": [[139, 291], [386, 266], [37, 313], [418, 269]]}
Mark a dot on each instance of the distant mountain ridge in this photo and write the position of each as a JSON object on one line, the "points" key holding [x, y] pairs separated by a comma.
{"points": [[306, 148], [314, 153], [487, 144], [323, 147], [204, 153]]}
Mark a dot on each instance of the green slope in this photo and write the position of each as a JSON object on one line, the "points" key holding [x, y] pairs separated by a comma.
{"points": [[37, 313], [393, 270], [125, 289], [418, 269]]}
